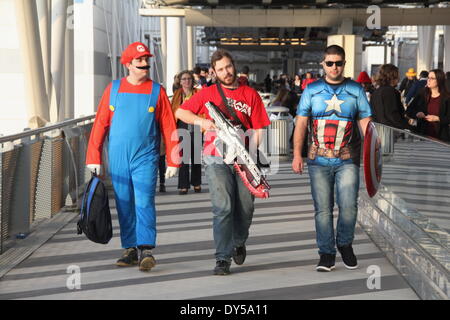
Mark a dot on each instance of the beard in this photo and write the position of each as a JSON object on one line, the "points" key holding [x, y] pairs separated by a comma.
{"points": [[228, 80], [336, 77]]}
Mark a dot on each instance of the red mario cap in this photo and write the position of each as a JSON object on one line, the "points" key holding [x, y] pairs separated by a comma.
{"points": [[134, 51]]}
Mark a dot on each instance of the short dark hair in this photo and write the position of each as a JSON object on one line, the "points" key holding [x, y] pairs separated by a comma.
{"points": [[245, 70], [334, 49], [197, 70], [423, 74], [219, 55]]}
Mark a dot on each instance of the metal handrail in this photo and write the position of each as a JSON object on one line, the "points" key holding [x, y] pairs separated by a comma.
{"points": [[431, 139], [34, 132]]}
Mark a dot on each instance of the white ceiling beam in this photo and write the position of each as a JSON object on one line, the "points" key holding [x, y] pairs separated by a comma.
{"points": [[162, 12], [302, 17]]}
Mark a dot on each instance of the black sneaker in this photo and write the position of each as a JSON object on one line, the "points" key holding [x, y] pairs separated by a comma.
{"points": [[222, 268], [129, 258], [146, 260], [326, 263], [239, 254], [348, 257], [162, 188]]}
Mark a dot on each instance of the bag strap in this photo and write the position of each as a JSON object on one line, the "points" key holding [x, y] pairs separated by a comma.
{"points": [[230, 109], [85, 195], [92, 189]]}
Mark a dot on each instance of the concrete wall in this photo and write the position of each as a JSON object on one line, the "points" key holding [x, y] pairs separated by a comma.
{"points": [[103, 29], [13, 111]]}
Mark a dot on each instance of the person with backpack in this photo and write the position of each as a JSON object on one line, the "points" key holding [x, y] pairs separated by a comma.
{"points": [[134, 112]]}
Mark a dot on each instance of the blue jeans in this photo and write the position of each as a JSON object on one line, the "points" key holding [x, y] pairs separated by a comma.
{"points": [[233, 207], [323, 181]]}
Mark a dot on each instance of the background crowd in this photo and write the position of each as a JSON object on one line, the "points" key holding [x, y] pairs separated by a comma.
{"points": [[417, 102]]}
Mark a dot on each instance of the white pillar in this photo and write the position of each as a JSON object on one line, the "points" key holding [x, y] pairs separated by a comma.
{"points": [[59, 15], [426, 35], [396, 41], [69, 80], [163, 26], [191, 47], [84, 64], [45, 32], [114, 41], [184, 45], [446, 48], [28, 28], [174, 63]]}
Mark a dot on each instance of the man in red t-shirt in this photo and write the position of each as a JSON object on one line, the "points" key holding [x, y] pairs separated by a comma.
{"points": [[233, 204]]}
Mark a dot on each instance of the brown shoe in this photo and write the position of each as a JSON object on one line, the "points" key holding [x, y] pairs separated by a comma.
{"points": [[183, 191], [129, 258], [146, 261], [198, 189]]}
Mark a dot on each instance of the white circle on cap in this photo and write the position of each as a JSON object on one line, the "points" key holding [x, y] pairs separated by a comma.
{"points": [[140, 48]]}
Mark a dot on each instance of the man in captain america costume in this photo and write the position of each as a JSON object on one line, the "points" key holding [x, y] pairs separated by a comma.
{"points": [[335, 107], [134, 111]]}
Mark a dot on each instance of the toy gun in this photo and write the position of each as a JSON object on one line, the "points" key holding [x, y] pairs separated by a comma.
{"points": [[245, 163]]}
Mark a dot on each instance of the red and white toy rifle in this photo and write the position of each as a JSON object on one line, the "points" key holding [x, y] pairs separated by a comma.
{"points": [[244, 163]]}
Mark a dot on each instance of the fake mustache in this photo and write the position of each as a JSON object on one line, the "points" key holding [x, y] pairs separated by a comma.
{"points": [[144, 68]]}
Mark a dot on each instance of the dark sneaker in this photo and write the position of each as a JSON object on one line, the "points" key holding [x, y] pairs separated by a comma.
{"points": [[162, 188], [326, 263], [222, 268], [129, 258], [146, 260], [239, 254], [348, 257]]}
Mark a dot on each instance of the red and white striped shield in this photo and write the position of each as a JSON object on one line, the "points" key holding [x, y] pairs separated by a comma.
{"points": [[373, 159]]}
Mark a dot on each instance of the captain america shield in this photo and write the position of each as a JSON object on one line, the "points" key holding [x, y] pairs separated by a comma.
{"points": [[373, 159]]}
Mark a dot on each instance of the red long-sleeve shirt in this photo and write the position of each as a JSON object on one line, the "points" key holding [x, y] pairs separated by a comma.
{"points": [[164, 116]]}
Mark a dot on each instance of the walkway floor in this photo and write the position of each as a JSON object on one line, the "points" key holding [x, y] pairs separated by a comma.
{"points": [[280, 264]]}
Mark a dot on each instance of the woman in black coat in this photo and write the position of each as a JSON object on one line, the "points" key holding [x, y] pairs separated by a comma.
{"points": [[431, 107], [385, 100]]}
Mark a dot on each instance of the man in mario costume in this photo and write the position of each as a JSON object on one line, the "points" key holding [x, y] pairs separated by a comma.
{"points": [[135, 111]]}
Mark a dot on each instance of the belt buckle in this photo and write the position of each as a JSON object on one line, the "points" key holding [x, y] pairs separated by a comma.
{"points": [[329, 153]]}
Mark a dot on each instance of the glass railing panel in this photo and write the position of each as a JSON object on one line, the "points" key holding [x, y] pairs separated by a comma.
{"points": [[416, 179], [409, 217]]}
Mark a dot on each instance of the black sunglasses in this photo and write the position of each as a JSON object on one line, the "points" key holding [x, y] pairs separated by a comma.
{"points": [[338, 63]]}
